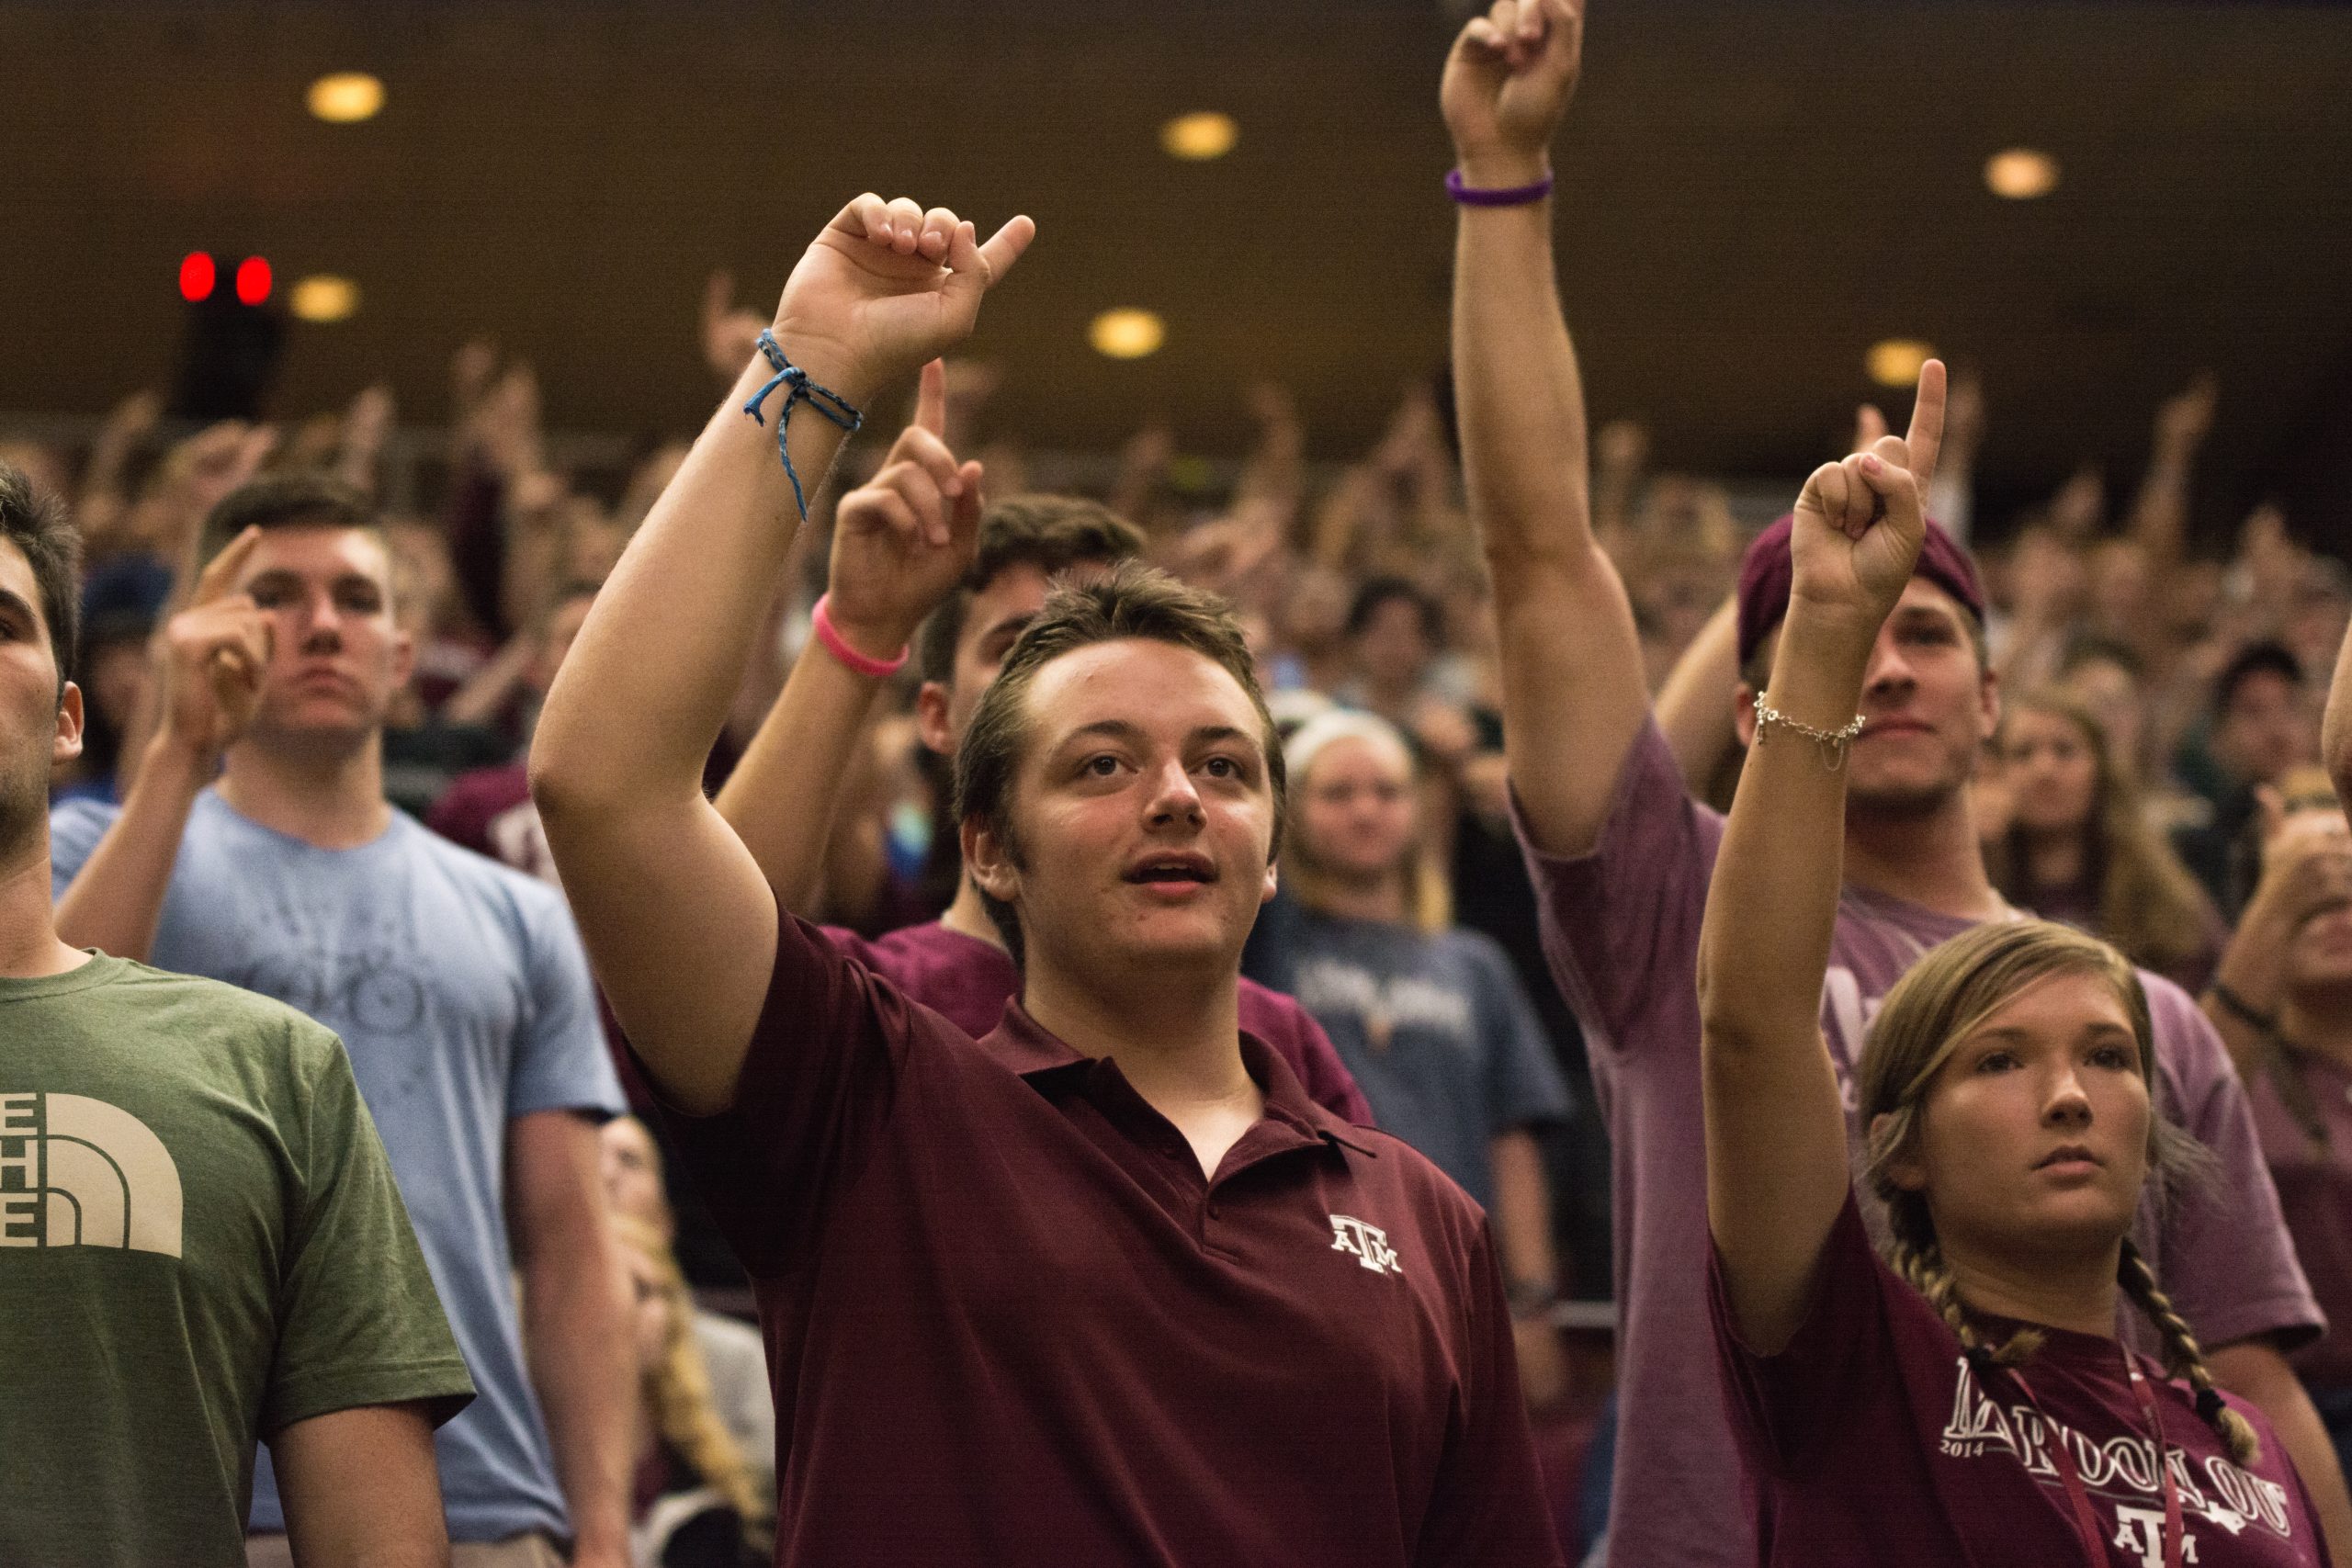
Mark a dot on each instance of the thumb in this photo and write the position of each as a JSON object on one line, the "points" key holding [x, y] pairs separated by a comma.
{"points": [[930, 399], [1003, 248]]}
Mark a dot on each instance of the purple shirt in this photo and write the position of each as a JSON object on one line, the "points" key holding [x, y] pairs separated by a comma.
{"points": [[1620, 926], [1010, 1321], [2315, 1193], [1871, 1438], [970, 981]]}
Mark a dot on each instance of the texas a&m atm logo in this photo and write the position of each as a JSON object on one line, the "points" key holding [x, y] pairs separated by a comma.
{"points": [[79, 1172], [1369, 1243]]}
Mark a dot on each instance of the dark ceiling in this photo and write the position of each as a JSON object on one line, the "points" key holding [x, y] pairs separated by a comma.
{"points": [[1751, 195]]}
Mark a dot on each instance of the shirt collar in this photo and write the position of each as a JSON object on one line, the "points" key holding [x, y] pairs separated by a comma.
{"points": [[1021, 1044]]}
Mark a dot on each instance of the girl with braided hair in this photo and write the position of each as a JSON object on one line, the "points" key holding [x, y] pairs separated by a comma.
{"points": [[1968, 1397]]}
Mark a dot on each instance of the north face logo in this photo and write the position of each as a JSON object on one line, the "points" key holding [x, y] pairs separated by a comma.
{"points": [[79, 1172], [1369, 1243]]}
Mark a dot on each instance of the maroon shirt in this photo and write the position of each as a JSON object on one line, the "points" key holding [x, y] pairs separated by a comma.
{"points": [[1008, 1320], [2315, 1193], [970, 980], [1871, 1438]]}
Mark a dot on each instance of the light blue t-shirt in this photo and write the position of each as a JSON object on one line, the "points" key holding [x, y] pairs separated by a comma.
{"points": [[461, 992]]}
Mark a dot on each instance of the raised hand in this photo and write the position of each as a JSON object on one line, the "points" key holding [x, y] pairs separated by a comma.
{"points": [[214, 654], [903, 539], [2183, 419], [887, 287], [1507, 82], [1860, 522]]}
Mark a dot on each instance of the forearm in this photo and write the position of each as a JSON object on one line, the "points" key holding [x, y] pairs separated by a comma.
{"points": [[1520, 395], [1764, 941], [647, 687], [2253, 972], [1523, 1214], [1696, 707], [2258, 1373], [117, 901], [784, 796], [575, 1335], [2160, 512]]}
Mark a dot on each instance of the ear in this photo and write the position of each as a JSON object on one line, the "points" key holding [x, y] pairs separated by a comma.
{"points": [[404, 656], [931, 717], [1988, 697], [985, 862], [68, 743], [1743, 713], [1266, 892], [1903, 1171]]}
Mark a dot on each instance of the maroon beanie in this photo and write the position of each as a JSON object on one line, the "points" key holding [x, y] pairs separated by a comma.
{"points": [[1766, 569]]}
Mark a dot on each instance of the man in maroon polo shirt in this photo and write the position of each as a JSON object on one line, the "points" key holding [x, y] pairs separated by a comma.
{"points": [[1106, 1286], [784, 796]]}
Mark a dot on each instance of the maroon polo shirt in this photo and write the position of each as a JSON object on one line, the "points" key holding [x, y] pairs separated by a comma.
{"points": [[970, 981], [1008, 1320]]}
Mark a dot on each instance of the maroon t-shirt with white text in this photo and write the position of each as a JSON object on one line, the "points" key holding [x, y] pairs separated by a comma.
{"points": [[1871, 1439], [1009, 1320], [970, 980], [1621, 928]]}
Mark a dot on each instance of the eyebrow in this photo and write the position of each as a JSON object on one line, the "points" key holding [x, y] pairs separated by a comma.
{"points": [[1123, 729], [10, 600]]}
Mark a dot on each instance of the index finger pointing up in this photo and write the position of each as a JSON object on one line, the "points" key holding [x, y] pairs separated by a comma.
{"points": [[1926, 437], [218, 580], [930, 399]]}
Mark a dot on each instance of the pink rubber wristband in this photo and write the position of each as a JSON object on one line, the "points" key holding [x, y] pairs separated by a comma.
{"points": [[838, 646]]}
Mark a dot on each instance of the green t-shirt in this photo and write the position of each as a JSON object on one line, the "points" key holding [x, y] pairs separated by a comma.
{"points": [[200, 1244]]}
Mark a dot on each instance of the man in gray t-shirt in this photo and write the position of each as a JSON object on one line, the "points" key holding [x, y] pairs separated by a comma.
{"points": [[1621, 857], [459, 987]]}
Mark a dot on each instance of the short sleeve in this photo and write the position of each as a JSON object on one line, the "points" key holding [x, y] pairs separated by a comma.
{"points": [[1524, 1082], [819, 1083], [74, 829], [1488, 1506], [1620, 923], [561, 1062], [2225, 1254], [1781, 1405], [359, 1322]]}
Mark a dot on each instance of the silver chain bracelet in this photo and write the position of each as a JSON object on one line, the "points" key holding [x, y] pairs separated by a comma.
{"points": [[1833, 743]]}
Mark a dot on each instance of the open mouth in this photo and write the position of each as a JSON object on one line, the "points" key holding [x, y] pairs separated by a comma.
{"points": [[1174, 870]]}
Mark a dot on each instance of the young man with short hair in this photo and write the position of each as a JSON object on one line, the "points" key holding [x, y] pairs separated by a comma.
{"points": [[1103, 1286], [1622, 857], [257, 846], [202, 1247], [785, 794]]}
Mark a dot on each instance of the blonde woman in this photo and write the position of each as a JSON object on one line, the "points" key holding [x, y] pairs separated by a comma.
{"points": [[697, 1505], [2078, 846], [1965, 1399]]}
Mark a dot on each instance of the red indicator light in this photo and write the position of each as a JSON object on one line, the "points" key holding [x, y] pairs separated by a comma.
{"points": [[197, 276], [253, 281]]}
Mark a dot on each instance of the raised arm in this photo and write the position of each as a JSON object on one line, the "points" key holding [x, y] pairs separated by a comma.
{"points": [[2160, 512], [901, 541], [674, 909], [212, 655], [1573, 693], [2335, 730], [1776, 1131]]}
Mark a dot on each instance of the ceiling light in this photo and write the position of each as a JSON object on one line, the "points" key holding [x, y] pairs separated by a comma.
{"points": [[322, 296], [253, 280], [346, 98], [1207, 134], [1126, 333], [1895, 362], [197, 275], [2021, 174]]}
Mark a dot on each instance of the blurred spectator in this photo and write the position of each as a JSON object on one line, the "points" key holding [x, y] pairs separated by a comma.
{"points": [[734, 1358], [1430, 1017], [2077, 845], [2263, 723], [694, 1501], [115, 674]]}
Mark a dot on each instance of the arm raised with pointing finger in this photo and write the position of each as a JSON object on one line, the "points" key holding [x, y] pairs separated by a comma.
{"points": [[673, 907]]}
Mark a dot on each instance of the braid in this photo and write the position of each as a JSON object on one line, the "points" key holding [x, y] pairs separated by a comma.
{"points": [[1923, 1268], [2182, 1356]]}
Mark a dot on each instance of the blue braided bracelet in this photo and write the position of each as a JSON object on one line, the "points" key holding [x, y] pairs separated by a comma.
{"points": [[799, 389]]}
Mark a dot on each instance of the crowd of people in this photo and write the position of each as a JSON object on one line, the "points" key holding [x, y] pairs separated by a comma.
{"points": [[803, 998]]}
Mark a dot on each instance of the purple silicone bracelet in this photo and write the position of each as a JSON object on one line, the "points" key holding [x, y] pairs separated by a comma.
{"points": [[1509, 196]]}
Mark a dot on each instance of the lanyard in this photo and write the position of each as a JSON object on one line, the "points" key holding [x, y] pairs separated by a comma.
{"points": [[2086, 1521]]}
